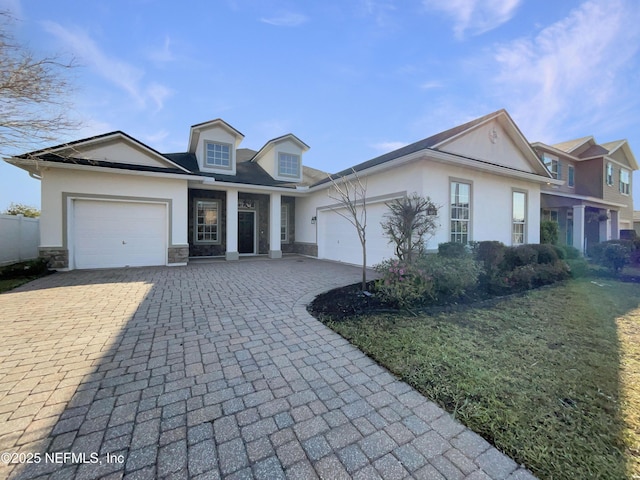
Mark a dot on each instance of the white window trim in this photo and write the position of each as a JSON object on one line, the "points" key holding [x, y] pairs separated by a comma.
{"points": [[284, 213], [214, 166], [524, 222], [468, 221], [550, 162], [289, 175], [625, 187], [609, 178], [195, 221]]}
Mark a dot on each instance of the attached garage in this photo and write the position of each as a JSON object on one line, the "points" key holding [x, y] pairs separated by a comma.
{"points": [[338, 239], [109, 234]]}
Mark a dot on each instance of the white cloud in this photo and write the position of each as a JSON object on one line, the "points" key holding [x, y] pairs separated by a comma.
{"points": [[571, 69], [476, 16], [384, 147], [431, 85], [164, 53], [120, 73], [286, 19]]}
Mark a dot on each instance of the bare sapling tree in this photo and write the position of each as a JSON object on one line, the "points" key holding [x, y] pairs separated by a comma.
{"points": [[408, 223], [34, 95], [350, 191]]}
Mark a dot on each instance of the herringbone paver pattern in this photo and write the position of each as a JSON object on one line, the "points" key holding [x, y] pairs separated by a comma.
{"points": [[210, 371]]}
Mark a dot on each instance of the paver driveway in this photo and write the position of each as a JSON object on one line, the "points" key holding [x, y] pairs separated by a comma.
{"points": [[210, 371]]}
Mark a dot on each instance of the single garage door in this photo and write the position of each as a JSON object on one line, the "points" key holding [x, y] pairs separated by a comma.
{"points": [[119, 234], [338, 239]]}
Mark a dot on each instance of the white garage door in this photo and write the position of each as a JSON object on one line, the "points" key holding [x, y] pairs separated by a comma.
{"points": [[338, 239], [118, 234]]}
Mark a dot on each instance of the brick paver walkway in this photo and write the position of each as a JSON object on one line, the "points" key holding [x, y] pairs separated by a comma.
{"points": [[210, 371]]}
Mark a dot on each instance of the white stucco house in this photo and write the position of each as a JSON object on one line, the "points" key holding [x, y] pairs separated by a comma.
{"points": [[112, 201]]}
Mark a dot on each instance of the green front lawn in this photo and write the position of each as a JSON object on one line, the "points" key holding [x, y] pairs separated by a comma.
{"points": [[552, 378]]}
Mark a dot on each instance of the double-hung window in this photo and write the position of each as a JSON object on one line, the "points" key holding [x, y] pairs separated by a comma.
{"points": [[460, 205], [553, 165], [571, 176], [609, 173], [218, 155], [288, 165], [207, 216], [519, 218], [624, 181], [284, 223]]}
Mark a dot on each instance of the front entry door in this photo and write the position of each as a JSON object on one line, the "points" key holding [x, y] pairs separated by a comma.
{"points": [[246, 232]]}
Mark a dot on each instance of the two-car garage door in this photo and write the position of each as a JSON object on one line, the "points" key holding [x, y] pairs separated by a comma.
{"points": [[107, 234]]}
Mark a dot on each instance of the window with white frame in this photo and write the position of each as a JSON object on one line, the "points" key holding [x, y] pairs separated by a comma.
{"points": [[624, 181], [207, 221], [609, 173], [460, 212], [288, 165], [218, 155], [553, 165], [519, 221], [284, 223], [571, 176]]}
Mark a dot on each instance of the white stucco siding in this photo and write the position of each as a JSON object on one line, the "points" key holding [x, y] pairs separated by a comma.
{"points": [[88, 184], [491, 203], [492, 143]]}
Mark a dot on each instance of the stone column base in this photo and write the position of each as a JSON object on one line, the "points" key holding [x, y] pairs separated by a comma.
{"points": [[232, 256], [275, 253], [57, 257], [178, 255]]}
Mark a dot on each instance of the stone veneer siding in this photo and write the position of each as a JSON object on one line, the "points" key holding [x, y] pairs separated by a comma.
{"points": [[289, 246], [310, 249], [178, 254], [56, 257]]}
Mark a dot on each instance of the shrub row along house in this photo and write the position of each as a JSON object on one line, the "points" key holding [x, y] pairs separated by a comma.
{"points": [[112, 201]]}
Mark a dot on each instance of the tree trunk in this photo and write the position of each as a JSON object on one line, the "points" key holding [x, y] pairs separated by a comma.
{"points": [[364, 267]]}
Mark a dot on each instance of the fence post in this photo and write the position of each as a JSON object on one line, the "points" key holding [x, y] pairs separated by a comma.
{"points": [[20, 227]]}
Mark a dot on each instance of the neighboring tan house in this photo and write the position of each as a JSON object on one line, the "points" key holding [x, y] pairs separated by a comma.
{"points": [[112, 201], [595, 202], [636, 222]]}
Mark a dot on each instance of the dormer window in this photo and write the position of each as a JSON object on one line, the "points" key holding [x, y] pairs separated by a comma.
{"points": [[218, 155], [288, 165]]}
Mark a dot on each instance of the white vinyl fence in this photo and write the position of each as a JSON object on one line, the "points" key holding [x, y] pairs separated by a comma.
{"points": [[19, 238]]}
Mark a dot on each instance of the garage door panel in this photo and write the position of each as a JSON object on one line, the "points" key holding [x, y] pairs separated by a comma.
{"points": [[338, 239], [118, 234]]}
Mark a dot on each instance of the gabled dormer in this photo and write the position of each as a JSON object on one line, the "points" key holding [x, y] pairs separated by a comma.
{"points": [[214, 144], [282, 158]]}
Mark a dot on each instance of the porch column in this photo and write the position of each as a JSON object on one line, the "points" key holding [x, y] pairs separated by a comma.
{"points": [[275, 249], [578, 227], [232, 225], [604, 227], [614, 220]]}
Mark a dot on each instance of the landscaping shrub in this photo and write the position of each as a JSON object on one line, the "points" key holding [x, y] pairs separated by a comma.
{"points": [[578, 267], [490, 254], [536, 275], [548, 253], [615, 256], [519, 257], [403, 285], [549, 232], [31, 268], [452, 277], [452, 250], [570, 253]]}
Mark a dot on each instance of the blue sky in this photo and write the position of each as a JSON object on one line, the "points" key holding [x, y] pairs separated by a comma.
{"points": [[352, 79]]}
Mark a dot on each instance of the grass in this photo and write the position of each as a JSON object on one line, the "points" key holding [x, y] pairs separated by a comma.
{"points": [[552, 378], [11, 283]]}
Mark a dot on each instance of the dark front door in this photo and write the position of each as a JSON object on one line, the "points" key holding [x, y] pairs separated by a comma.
{"points": [[246, 232]]}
